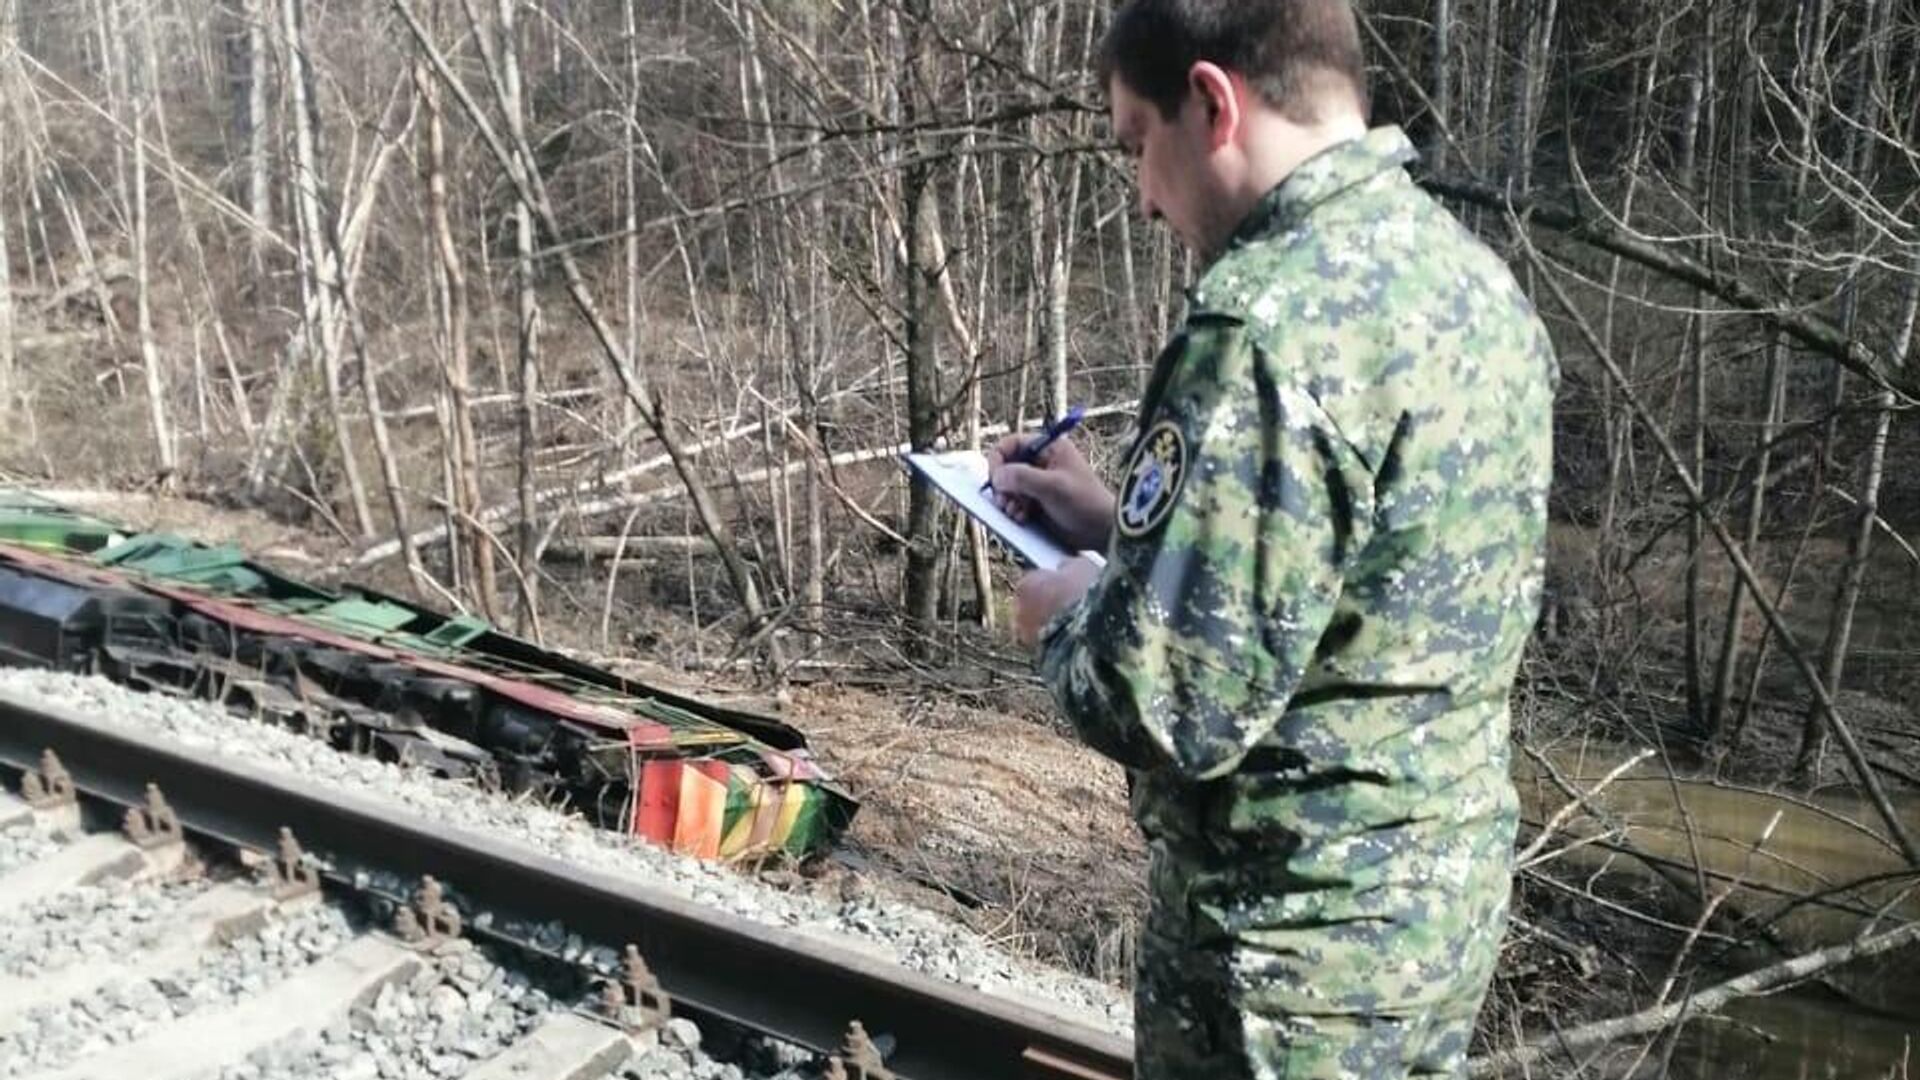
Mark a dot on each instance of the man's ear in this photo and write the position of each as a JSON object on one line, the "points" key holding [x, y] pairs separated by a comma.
{"points": [[1216, 91]]}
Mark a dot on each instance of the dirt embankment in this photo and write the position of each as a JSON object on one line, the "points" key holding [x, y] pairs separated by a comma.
{"points": [[1023, 828]]}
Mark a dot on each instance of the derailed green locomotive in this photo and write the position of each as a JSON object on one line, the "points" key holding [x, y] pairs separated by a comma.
{"points": [[376, 674]]}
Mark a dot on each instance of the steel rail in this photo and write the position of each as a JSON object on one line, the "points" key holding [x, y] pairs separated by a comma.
{"points": [[774, 980]]}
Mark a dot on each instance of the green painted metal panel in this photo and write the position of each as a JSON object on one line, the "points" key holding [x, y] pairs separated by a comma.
{"points": [[458, 631], [362, 618], [219, 569], [226, 572], [32, 521], [807, 826]]}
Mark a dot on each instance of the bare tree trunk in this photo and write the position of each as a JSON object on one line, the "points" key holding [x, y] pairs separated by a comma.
{"points": [[528, 320], [113, 78], [1536, 56], [820, 328], [1034, 311], [1442, 90], [630, 171], [1698, 120], [202, 432], [1529, 89], [1060, 263], [769, 249], [33, 214], [150, 55], [1491, 53], [376, 418], [1056, 322], [9, 44], [1163, 289], [460, 574], [6, 289], [464, 454], [1696, 528], [919, 332], [236, 387], [9, 41], [1617, 421], [938, 262], [977, 551], [91, 266], [331, 234], [1725, 739], [1047, 226], [923, 390], [1860, 158], [1138, 343], [320, 319], [259, 136], [144, 91], [1860, 547]]}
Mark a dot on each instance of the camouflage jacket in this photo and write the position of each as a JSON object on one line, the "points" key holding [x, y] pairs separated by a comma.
{"points": [[1329, 545]]}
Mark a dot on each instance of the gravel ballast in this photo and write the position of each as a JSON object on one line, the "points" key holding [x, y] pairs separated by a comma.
{"points": [[874, 924], [51, 1036], [92, 924], [459, 1010], [27, 842]]}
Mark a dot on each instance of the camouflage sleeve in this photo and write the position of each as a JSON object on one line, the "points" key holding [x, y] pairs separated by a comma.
{"points": [[1239, 508]]}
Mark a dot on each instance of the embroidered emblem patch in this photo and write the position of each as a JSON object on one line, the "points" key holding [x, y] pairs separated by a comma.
{"points": [[1153, 480]]}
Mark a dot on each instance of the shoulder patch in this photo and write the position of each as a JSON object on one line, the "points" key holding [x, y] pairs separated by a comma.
{"points": [[1153, 480]]}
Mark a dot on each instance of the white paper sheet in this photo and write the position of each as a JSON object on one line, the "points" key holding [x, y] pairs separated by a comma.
{"points": [[959, 475]]}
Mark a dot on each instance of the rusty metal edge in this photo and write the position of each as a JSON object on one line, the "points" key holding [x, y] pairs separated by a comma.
{"points": [[771, 979]]}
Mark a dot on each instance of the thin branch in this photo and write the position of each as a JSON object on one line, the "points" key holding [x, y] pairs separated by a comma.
{"points": [[1812, 331], [1766, 980]]}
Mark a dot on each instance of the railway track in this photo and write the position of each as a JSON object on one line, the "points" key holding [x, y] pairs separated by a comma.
{"points": [[633, 972], [125, 955]]}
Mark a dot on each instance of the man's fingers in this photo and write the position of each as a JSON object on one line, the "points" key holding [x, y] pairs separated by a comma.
{"points": [[1000, 475], [1024, 480], [1015, 506]]}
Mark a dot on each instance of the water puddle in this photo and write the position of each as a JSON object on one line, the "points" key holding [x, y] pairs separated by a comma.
{"points": [[1825, 846]]}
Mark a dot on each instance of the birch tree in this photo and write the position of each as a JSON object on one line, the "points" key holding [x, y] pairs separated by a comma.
{"points": [[144, 95], [320, 319], [9, 33]]}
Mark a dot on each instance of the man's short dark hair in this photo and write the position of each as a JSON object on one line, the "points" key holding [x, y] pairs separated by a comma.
{"points": [[1290, 51]]}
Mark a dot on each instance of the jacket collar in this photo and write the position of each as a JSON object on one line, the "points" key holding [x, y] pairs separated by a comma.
{"points": [[1322, 177]]}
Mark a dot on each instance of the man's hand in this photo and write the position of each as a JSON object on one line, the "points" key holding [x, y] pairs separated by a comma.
{"points": [[1060, 490], [1043, 594]]}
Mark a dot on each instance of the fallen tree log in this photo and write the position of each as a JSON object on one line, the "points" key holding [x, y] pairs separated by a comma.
{"points": [[595, 548], [1766, 980]]}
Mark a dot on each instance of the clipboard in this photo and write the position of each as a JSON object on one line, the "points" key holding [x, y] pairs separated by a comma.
{"points": [[959, 475]]}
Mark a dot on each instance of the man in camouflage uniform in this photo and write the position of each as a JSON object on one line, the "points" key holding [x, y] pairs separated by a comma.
{"points": [[1323, 563]]}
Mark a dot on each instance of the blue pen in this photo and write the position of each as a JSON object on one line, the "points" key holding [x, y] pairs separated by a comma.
{"points": [[1031, 452]]}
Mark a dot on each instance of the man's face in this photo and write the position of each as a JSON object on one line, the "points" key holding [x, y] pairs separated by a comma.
{"points": [[1180, 171]]}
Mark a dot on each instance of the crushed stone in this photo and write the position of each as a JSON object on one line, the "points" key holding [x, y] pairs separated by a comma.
{"points": [[860, 919]]}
